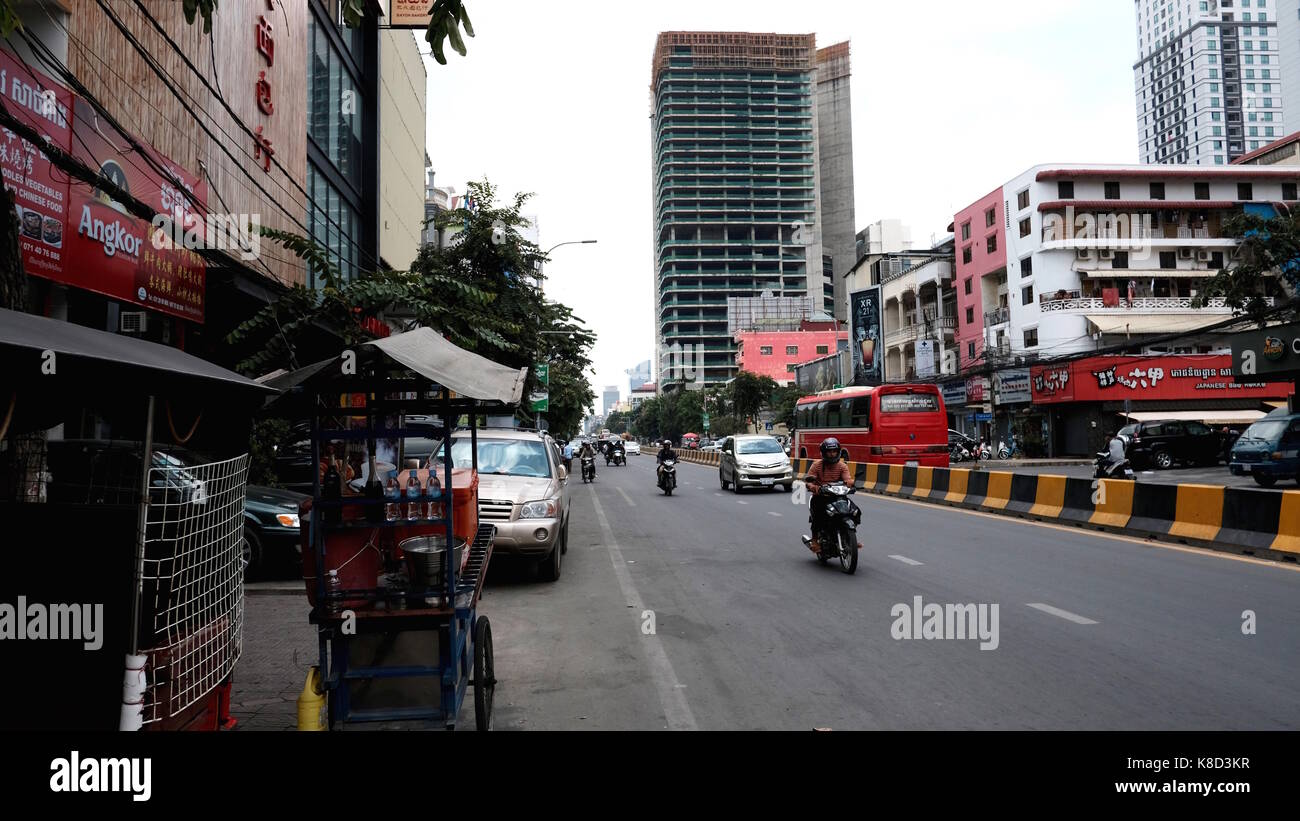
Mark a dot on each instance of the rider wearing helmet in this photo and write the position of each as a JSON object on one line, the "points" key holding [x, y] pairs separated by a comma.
{"points": [[831, 468]]}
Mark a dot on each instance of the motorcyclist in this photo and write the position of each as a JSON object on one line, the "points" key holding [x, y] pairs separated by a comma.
{"points": [[1116, 448], [588, 452], [666, 453], [617, 448], [830, 469]]}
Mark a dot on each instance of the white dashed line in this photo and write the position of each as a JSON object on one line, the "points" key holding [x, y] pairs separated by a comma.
{"points": [[626, 498], [773, 513], [1065, 614], [906, 560]]}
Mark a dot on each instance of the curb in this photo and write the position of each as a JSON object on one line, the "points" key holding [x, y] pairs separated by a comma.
{"points": [[1261, 523]]}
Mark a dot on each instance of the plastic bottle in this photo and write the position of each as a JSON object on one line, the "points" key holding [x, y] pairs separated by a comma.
{"points": [[393, 494], [434, 488], [333, 592], [413, 492], [332, 491]]}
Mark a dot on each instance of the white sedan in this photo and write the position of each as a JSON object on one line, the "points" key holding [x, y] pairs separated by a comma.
{"points": [[632, 448]]}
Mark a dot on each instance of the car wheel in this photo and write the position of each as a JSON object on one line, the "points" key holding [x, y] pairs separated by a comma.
{"points": [[564, 544], [251, 552], [550, 568], [722, 481], [1265, 481], [1162, 460]]}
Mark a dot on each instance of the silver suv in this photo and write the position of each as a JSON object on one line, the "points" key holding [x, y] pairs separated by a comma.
{"points": [[521, 481], [754, 461]]}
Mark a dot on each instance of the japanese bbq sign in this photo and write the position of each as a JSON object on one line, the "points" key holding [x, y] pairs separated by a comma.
{"points": [[78, 235], [39, 190], [112, 252], [1109, 378]]}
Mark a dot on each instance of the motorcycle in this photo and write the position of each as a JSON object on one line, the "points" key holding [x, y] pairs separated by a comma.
{"points": [[983, 451], [1103, 468], [620, 457], [958, 453], [839, 535], [588, 469], [667, 476], [1006, 451]]}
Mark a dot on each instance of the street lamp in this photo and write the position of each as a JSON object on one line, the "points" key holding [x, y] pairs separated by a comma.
{"points": [[540, 284]]}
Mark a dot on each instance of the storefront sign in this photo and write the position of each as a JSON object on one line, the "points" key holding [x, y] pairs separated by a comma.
{"points": [[867, 349], [976, 387], [954, 393], [1110, 378], [1271, 352], [409, 14], [1011, 387], [925, 358]]}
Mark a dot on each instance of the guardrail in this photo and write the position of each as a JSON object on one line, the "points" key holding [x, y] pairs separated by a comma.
{"points": [[1244, 520]]}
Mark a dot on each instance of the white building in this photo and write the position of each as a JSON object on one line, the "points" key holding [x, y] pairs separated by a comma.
{"points": [[1209, 77], [1084, 256]]}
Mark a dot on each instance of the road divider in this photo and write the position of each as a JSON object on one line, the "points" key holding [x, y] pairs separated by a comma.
{"points": [[1241, 520]]}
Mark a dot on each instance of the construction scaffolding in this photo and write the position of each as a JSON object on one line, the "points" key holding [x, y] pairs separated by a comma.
{"points": [[735, 49], [769, 313]]}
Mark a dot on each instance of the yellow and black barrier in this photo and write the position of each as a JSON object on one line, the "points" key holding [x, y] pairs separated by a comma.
{"points": [[1245, 520]]}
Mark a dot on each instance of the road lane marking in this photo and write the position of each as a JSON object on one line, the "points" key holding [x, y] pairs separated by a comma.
{"points": [[626, 498], [906, 560], [671, 699], [773, 513], [739, 502], [717, 494], [1065, 614]]}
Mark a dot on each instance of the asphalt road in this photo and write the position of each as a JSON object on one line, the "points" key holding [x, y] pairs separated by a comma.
{"points": [[749, 632]]}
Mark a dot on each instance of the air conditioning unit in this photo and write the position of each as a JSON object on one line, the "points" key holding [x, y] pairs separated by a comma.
{"points": [[1083, 253], [1105, 253], [1202, 255], [133, 322], [1185, 252]]}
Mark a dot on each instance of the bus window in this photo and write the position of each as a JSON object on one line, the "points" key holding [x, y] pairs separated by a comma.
{"points": [[908, 402], [801, 417], [860, 413], [832, 414], [819, 415]]}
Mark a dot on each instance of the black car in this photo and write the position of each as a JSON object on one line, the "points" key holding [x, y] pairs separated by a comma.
{"points": [[271, 534], [1165, 443]]}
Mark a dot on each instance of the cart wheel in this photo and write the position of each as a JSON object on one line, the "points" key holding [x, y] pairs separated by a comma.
{"points": [[485, 683]]}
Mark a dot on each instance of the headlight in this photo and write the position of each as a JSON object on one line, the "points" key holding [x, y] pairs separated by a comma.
{"points": [[287, 519], [539, 510]]}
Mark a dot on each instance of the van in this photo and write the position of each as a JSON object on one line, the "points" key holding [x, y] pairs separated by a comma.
{"points": [[1268, 450]]}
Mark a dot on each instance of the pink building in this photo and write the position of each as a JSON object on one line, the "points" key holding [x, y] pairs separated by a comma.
{"points": [[775, 353], [981, 272]]}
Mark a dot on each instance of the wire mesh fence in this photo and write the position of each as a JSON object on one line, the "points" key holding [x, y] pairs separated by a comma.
{"points": [[192, 592]]}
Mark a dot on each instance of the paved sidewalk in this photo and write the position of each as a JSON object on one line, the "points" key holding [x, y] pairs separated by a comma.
{"points": [[268, 677]]}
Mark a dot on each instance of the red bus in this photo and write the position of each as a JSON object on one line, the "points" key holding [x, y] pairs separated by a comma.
{"points": [[894, 424]]}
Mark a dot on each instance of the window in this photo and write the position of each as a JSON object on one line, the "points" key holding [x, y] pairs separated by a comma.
{"points": [[1202, 190], [1245, 191], [1216, 260], [1031, 337], [860, 412], [991, 244], [970, 316], [1027, 267], [965, 230], [790, 368], [1169, 259], [970, 350], [1025, 227], [1065, 190], [832, 414], [1027, 295], [765, 350], [1120, 260], [1157, 190], [791, 350], [1022, 200], [823, 349], [1288, 190], [1112, 190], [968, 286], [990, 217]]}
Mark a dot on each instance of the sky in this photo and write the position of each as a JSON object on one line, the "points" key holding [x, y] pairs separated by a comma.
{"points": [[950, 99]]}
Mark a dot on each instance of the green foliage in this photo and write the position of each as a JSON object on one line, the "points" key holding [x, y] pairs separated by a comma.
{"points": [[617, 422], [9, 21], [13, 279], [200, 8], [781, 403], [449, 16], [266, 434], [748, 393], [1269, 248]]}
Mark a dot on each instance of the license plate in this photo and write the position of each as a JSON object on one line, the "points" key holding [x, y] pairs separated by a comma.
{"points": [[768, 481], [911, 463]]}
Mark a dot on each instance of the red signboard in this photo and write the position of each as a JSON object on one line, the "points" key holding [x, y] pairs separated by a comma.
{"points": [[111, 252], [39, 190], [1110, 378]]}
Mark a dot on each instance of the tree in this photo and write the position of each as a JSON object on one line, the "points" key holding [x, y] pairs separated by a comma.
{"points": [[1268, 247], [617, 422], [645, 420], [782, 402], [749, 393]]}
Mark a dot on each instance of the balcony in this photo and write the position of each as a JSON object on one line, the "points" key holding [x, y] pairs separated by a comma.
{"points": [[1076, 304], [997, 317], [919, 330]]}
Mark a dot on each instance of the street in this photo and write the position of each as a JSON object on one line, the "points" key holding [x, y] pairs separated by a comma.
{"points": [[750, 632]]}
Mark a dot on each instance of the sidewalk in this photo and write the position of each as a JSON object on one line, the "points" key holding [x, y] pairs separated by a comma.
{"points": [[268, 677], [1016, 464]]}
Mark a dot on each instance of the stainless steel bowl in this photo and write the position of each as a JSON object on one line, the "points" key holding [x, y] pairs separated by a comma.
{"points": [[426, 559]]}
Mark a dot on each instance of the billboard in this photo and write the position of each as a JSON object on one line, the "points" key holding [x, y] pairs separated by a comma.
{"points": [[1269, 352], [1111, 378], [819, 374], [925, 349], [1012, 387], [866, 336]]}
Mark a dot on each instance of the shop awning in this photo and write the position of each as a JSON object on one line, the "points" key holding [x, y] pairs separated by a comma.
{"points": [[1209, 417], [1125, 322], [1139, 275]]}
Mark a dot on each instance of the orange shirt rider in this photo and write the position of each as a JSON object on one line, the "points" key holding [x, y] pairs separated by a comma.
{"points": [[822, 473]]}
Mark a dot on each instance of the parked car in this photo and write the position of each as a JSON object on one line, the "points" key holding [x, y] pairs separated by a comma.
{"points": [[271, 532], [522, 491], [1268, 450], [754, 460], [711, 447], [1165, 443]]}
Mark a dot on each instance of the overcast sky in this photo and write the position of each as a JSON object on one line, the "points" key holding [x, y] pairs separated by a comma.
{"points": [[950, 100]]}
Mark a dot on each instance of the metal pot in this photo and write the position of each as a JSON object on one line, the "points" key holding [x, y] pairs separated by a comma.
{"points": [[426, 559]]}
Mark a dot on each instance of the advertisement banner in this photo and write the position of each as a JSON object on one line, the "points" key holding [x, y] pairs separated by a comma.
{"points": [[866, 335], [954, 393], [1012, 387], [1271, 352], [1111, 378], [39, 190], [539, 401], [925, 349], [819, 374], [111, 252], [977, 388]]}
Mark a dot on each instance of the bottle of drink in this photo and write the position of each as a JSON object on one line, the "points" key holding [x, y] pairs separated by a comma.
{"points": [[413, 493], [434, 488], [332, 491], [393, 494], [333, 592]]}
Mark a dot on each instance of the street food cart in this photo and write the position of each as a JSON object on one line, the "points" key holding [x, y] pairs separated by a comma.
{"points": [[123, 466], [394, 558]]}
